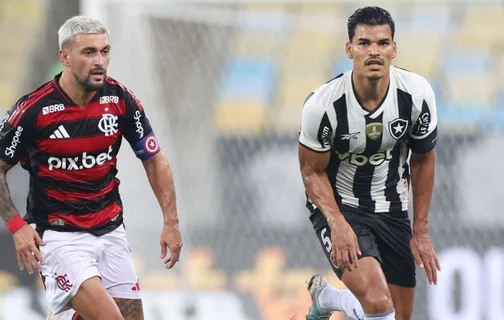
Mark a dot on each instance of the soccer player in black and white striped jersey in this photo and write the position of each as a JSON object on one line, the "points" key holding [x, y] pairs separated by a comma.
{"points": [[363, 136]]}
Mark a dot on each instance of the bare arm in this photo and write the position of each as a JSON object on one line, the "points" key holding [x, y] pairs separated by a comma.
{"points": [[161, 180], [25, 237], [344, 244], [7, 210], [422, 179], [313, 171]]}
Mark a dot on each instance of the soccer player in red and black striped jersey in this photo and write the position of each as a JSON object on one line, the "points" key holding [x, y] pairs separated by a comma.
{"points": [[67, 135]]}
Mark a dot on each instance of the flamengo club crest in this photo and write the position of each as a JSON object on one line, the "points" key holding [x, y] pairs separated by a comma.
{"points": [[63, 283], [108, 124]]}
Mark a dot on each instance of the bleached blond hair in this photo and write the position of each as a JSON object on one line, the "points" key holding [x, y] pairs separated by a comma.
{"points": [[79, 25]]}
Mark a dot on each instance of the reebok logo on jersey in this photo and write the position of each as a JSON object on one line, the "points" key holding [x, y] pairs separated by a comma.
{"points": [[361, 160], [79, 163], [10, 151], [53, 108], [352, 135], [59, 133]]}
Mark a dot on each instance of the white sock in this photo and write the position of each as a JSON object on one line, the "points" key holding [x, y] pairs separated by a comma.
{"points": [[335, 299], [383, 316]]}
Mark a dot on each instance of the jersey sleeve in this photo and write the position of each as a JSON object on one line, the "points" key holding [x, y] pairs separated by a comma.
{"points": [[137, 129], [15, 133], [423, 134], [317, 129]]}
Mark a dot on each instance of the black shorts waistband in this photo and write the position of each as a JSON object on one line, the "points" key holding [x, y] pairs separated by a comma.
{"points": [[352, 210]]}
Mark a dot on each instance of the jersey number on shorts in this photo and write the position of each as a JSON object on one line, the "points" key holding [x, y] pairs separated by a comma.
{"points": [[328, 246], [326, 240]]}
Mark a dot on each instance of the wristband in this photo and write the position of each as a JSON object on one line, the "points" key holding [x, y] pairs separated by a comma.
{"points": [[16, 223]]}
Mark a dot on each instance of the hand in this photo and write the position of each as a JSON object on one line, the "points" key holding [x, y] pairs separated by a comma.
{"points": [[345, 247], [170, 239], [425, 256], [28, 255]]}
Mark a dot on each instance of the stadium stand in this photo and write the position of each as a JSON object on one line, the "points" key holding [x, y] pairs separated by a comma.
{"points": [[269, 95], [19, 25]]}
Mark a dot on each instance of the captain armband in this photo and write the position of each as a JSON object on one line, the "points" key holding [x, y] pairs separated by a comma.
{"points": [[146, 147]]}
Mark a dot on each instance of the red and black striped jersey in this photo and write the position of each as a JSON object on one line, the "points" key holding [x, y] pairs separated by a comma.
{"points": [[70, 153]]}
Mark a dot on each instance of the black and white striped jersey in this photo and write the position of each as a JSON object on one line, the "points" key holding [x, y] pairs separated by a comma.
{"points": [[370, 150]]}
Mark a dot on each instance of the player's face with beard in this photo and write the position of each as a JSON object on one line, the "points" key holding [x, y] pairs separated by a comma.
{"points": [[372, 50], [89, 60]]}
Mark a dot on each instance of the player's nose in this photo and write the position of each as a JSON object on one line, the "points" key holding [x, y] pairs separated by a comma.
{"points": [[99, 60], [373, 49]]}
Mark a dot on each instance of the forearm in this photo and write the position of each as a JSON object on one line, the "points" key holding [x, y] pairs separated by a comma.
{"points": [[422, 179], [161, 180], [320, 192], [7, 210]]}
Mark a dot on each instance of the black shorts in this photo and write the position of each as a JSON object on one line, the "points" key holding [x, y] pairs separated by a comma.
{"points": [[385, 236]]}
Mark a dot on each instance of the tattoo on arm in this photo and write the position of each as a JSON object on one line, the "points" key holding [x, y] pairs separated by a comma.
{"points": [[131, 309], [7, 210]]}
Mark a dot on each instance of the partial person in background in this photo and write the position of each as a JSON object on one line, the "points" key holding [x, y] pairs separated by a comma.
{"points": [[364, 135], [67, 135]]}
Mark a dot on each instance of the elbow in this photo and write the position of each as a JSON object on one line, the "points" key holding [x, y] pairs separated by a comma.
{"points": [[4, 168], [306, 179], [308, 176]]}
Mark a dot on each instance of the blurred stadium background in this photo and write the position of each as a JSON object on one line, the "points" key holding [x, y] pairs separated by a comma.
{"points": [[223, 83]]}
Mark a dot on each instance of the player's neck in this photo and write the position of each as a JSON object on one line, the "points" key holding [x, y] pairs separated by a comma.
{"points": [[74, 91], [370, 93]]}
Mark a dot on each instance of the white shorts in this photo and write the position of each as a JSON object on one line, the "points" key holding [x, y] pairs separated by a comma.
{"points": [[73, 257]]}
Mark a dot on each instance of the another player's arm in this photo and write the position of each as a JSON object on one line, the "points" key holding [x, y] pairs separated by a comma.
{"points": [[423, 139], [314, 154], [139, 133]]}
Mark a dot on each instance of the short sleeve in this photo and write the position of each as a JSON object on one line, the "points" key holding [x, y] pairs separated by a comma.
{"points": [[317, 129], [15, 128], [137, 129], [423, 134]]}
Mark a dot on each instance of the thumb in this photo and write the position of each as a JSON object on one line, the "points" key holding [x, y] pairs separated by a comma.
{"points": [[163, 250], [38, 240]]}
